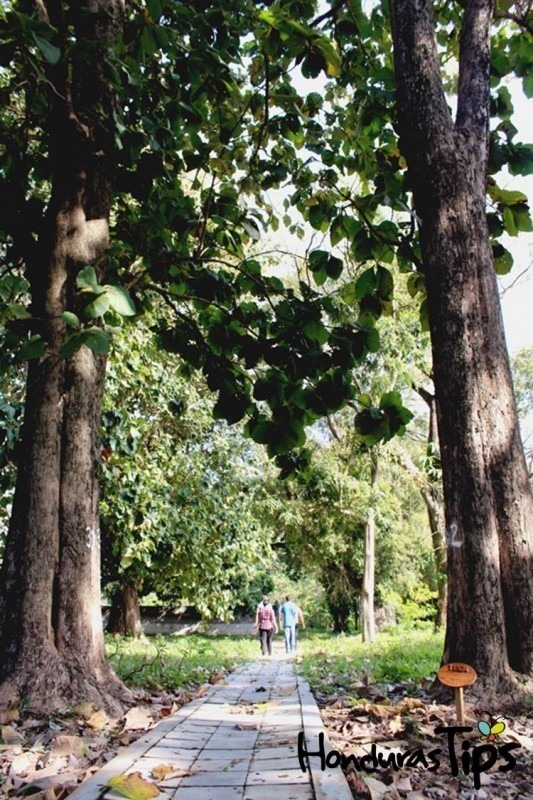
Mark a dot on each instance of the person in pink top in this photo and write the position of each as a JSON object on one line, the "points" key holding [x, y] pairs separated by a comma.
{"points": [[265, 623]]}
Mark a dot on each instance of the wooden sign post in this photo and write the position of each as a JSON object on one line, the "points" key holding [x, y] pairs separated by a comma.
{"points": [[457, 676]]}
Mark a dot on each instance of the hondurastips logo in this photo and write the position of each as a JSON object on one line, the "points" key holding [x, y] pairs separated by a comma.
{"points": [[460, 754]]}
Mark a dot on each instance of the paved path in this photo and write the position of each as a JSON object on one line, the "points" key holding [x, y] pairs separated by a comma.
{"points": [[237, 742]]}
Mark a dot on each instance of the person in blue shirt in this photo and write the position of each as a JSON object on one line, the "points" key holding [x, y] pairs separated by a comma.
{"points": [[288, 614]]}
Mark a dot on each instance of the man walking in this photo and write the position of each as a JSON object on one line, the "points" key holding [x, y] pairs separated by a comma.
{"points": [[288, 615]]}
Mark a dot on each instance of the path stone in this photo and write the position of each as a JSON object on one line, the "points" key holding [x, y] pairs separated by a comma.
{"points": [[237, 742]]}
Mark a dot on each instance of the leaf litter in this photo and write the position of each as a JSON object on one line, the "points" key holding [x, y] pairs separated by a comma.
{"points": [[48, 757], [403, 719]]}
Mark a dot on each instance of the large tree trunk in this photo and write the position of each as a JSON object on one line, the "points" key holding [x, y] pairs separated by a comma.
{"points": [[52, 646], [488, 502], [125, 612], [368, 622]]}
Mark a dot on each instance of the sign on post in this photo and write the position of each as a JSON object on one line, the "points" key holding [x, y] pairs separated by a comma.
{"points": [[457, 675]]}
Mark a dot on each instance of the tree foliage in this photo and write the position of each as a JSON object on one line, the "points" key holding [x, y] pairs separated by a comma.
{"points": [[179, 507]]}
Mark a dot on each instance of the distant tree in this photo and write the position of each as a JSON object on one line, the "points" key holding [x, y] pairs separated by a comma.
{"points": [[179, 507]]}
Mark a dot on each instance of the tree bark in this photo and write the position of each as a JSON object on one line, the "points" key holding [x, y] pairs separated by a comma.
{"points": [[125, 613], [488, 501], [52, 646], [368, 622], [432, 496]]}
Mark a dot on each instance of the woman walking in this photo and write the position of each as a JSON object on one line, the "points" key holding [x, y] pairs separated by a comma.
{"points": [[265, 622]]}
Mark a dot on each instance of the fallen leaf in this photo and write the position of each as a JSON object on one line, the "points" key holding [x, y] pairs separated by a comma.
{"points": [[378, 789], [138, 718], [408, 704], [178, 773], [84, 709], [266, 704], [379, 712], [161, 771], [98, 720], [69, 746], [7, 716], [133, 786], [167, 711], [11, 736]]}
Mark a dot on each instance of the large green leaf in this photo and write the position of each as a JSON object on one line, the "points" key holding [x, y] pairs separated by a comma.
{"points": [[51, 53], [120, 301]]}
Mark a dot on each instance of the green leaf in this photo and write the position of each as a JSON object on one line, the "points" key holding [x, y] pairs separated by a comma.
{"points": [[521, 159], [97, 307], [155, 9], [509, 221], [32, 348], [330, 56], [87, 281], [424, 316], [96, 340], [120, 301], [71, 319], [51, 53], [316, 331], [503, 260], [391, 399], [71, 345], [522, 218], [334, 267], [365, 284]]}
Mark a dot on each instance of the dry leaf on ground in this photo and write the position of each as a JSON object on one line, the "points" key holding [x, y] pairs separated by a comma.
{"points": [[8, 715], [98, 720], [65, 745], [133, 786], [10, 736], [138, 718]]}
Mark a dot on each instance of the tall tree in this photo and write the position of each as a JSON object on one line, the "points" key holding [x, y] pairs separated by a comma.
{"points": [[488, 500], [50, 604]]}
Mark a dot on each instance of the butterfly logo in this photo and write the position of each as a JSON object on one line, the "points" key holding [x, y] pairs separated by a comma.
{"points": [[490, 730]]}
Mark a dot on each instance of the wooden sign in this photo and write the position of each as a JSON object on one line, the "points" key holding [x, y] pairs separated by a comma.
{"points": [[457, 674]]}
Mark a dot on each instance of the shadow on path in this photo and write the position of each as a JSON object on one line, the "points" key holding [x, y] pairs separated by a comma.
{"points": [[239, 741]]}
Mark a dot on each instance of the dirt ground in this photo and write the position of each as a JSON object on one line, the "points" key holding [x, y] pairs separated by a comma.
{"points": [[403, 721], [46, 758]]}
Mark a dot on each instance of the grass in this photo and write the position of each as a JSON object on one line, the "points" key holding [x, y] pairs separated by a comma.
{"points": [[330, 662], [171, 662]]}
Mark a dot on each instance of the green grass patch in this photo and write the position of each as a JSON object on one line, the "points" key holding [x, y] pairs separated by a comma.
{"points": [[333, 661], [171, 662]]}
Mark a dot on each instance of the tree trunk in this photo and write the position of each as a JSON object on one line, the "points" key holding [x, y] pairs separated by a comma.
{"points": [[488, 502], [125, 613], [52, 646], [368, 622], [339, 585], [431, 494]]}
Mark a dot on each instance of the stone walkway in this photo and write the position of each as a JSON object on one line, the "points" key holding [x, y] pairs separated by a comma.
{"points": [[237, 742]]}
